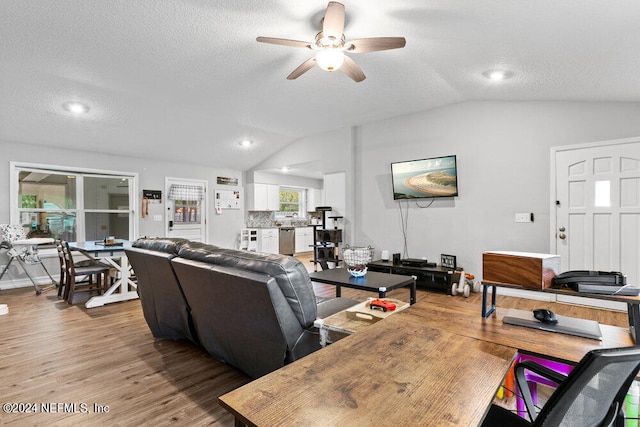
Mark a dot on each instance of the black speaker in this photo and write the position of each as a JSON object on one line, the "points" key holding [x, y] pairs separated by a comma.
{"points": [[396, 258]]}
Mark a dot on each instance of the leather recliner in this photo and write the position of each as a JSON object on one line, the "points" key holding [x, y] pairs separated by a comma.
{"points": [[251, 310], [163, 303]]}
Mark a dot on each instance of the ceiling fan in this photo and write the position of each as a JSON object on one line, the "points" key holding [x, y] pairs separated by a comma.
{"points": [[330, 46]]}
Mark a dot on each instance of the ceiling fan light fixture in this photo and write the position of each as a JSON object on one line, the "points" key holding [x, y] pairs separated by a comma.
{"points": [[330, 44], [324, 41], [330, 59]]}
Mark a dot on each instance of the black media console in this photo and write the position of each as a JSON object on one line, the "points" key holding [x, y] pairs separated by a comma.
{"points": [[439, 278]]}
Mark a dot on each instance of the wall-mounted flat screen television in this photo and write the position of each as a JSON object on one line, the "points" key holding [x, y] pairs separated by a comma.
{"points": [[434, 177]]}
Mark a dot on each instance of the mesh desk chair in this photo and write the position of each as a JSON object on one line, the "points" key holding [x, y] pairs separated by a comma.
{"points": [[14, 240], [591, 395]]}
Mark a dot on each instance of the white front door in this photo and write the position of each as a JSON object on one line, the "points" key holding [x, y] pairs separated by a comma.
{"points": [[186, 209], [597, 207]]}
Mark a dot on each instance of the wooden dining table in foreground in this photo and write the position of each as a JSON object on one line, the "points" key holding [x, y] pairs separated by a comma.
{"points": [[426, 365]]}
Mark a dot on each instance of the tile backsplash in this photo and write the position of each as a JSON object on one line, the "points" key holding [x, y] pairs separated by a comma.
{"points": [[261, 219], [257, 219]]}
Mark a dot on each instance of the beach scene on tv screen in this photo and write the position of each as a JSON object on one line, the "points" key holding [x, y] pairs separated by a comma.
{"points": [[425, 178]]}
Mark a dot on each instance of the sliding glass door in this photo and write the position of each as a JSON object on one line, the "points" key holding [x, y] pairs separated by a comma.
{"points": [[71, 205]]}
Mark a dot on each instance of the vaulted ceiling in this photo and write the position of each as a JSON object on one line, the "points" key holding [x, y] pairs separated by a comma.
{"points": [[185, 80]]}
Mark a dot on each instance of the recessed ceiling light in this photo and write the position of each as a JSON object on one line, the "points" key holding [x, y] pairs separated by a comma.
{"points": [[285, 169], [245, 143], [75, 107], [497, 75]]}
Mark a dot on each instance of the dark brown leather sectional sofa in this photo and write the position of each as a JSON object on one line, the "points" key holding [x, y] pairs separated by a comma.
{"points": [[251, 310]]}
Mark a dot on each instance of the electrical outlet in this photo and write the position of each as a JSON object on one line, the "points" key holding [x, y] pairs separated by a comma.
{"points": [[523, 217]]}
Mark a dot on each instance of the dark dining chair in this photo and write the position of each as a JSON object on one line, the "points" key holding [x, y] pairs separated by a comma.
{"points": [[592, 394], [85, 273], [63, 270]]}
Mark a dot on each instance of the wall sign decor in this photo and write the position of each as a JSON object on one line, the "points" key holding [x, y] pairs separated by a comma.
{"points": [[152, 194], [222, 180]]}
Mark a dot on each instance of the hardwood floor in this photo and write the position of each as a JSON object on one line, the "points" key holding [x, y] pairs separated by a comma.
{"points": [[55, 355]]}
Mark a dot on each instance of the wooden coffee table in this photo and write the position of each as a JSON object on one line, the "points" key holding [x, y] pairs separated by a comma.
{"points": [[372, 281], [351, 320]]}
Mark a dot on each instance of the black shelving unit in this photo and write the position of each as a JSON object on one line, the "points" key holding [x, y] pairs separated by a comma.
{"points": [[326, 240], [435, 278]]}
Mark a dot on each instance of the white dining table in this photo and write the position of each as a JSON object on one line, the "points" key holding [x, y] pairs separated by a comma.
{"points": [[123, 289]]}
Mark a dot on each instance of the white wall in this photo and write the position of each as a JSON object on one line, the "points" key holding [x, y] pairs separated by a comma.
{"points": [[326, 152], [503, 153], [286, 180], [223, 229]]}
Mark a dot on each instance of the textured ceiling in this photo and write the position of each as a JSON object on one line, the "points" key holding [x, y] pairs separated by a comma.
{"points": [[185, 80]]}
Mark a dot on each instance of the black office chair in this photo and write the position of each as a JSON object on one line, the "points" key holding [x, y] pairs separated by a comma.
{"points": [[592, 394]]}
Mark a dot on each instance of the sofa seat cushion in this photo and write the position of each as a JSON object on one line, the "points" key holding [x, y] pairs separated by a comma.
{"points": [[290, 274]]}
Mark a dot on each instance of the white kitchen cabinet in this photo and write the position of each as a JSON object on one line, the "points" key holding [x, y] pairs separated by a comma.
{"points": [[273, 197], [314, 198], [269, 240], [304, 239], [263, 197]]}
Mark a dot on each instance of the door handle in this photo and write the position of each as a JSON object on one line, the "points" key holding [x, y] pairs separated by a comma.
{"points": [[170, 224], [562, 236]]}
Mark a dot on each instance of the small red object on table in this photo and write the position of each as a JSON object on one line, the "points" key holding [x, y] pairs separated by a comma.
{"points": [[379, 304]]}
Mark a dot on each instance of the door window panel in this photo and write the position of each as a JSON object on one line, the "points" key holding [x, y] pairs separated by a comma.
{"points": [[602, 194], [186, 212]]}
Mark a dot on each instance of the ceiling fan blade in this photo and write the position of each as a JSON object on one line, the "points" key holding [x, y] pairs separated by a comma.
{"points": [[284, 42], [374, 44], [352, 70], [333, 22], [302, 68]]}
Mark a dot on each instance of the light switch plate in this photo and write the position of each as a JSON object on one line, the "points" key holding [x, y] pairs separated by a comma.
{"points": [[523, 217], [157, 217]]}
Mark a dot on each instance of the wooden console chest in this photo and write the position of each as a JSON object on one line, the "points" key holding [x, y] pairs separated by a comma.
{"points": [[530, 270]]}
